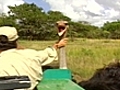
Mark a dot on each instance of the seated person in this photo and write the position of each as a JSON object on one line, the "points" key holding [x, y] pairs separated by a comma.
{"points": [[15, 61]]}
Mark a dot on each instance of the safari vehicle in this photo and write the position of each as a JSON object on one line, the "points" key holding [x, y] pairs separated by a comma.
{"points": [[53, 79]]}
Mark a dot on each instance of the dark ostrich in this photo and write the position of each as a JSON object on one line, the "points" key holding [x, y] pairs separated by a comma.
{"points": [[106, 78]]}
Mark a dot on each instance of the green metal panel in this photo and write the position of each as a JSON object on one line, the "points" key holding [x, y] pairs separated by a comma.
{"points": [[58, 84], [57, 79], [57, 74]]}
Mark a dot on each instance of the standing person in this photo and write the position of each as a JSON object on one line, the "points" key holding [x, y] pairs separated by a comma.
{"points": [[15, 61]]}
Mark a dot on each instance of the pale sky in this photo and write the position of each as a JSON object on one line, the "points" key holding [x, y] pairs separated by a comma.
{"points": [[97, 12]]}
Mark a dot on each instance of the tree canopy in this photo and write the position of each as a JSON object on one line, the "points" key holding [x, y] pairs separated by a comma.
{"points": [[34, 23]]}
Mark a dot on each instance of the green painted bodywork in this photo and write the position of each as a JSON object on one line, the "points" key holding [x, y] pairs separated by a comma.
{"points": [[57, 79]]}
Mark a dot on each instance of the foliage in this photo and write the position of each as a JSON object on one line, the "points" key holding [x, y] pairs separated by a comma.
{"points": [[33, 23], [5, 20], [113, 29]]}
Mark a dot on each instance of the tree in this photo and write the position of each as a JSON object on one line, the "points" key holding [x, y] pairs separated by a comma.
{"points": [[30, 20], [34, 23], [113, 28], [6, 20]]}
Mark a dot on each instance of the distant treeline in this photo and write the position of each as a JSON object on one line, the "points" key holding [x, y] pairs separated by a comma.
{"points": [[33, 23]]}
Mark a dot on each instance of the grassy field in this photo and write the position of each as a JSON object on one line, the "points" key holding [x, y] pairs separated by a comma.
{"points": [[84, 56]]}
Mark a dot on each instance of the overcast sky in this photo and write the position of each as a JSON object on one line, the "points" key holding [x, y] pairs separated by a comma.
{"points": [[97, 12]]}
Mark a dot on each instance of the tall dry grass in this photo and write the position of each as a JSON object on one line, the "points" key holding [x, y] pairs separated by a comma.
{"points": [[84, 56]]}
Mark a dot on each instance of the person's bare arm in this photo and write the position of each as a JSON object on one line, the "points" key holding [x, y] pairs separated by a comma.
{"points": [[61, 43]]}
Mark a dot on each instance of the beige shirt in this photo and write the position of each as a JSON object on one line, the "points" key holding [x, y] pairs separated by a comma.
{"points": [[26, 62]]}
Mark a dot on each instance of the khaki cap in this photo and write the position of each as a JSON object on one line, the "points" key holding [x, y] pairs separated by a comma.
{"points": [[10, 32]]}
